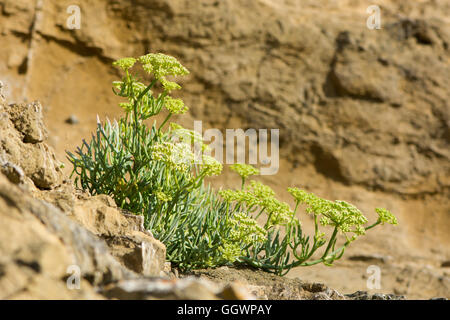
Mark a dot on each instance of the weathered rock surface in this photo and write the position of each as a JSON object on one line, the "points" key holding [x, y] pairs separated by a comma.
{"points": [[125, 235], [21, 142], [34, 260], [363, 114]]}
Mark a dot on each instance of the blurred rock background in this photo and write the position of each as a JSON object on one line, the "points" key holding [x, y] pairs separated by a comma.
{"points": [[363, 114]]}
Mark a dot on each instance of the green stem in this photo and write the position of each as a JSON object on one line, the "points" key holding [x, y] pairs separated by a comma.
{"points": [[164, 122], [261, 211], [373, 225], [268, 220], [306, 264], [330, 243], [296, 206]]}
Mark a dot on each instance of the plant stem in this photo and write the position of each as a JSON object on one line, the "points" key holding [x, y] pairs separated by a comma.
{"points": [[164, 122]]}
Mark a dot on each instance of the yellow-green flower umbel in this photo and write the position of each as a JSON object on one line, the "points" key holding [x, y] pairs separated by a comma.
{"points": [[162, 65], [125, 63], [385, 215], [175, 106], [245, 231], [210, 166], [244, 170]]}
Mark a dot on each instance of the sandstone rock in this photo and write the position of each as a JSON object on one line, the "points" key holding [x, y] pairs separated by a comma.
{"points": [[86, 251], [21, 143], [13, 172], [63, 196], [33, 259], [28, 119], [371, 258], [322, 292], [321, 296], [236, 291], [2, 94], [140, 253], [124, 234]]}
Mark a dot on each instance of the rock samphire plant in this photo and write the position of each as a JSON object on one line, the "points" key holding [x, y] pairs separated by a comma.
{"points": [[154, 171]]}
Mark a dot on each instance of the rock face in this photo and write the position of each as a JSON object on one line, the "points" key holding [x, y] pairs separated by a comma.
{"points": [[21, 139], [40, 242], [125, 235]]}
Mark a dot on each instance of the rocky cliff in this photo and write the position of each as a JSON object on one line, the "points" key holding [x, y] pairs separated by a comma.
{"points": [[363, 114]]}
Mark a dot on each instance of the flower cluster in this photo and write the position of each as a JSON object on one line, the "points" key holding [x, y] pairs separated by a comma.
{"points": [[246, 229], [340, 214], [385, 215], [187, 136], [241, 196], [175, 106], [262, 196], [230, 251], [125, 63], [244, 170], [162, 65], [162, 197], [245, 232], [279, 212], [232, 195], [348, 217], [169, 85], [210, 166], [261, 191], [299, 194], [132, 89], [177, 156], [127, 106]]}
